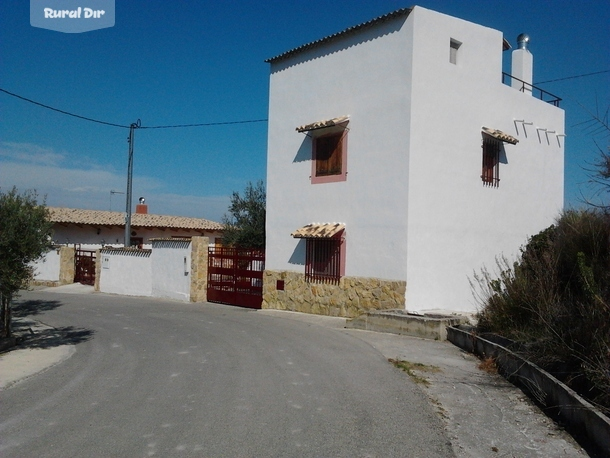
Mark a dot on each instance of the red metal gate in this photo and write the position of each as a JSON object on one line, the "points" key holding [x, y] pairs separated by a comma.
{"points": [[235, 276], [84, 266]]}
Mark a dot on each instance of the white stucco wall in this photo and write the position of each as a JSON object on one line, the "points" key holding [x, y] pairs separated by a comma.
{"points": [[457, 225], [366, 77], [127, 272], [47, 267], [89, 238], [414, 204], [171, 266]]}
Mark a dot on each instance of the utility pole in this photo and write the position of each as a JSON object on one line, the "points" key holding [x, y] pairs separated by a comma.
{"points": [[130, 140]]}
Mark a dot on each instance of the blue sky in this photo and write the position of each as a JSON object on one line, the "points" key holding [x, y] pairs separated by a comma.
{"points": [[180, 62]]}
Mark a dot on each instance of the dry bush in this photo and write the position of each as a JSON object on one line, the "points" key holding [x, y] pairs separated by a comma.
{"points": [[555, 302]]}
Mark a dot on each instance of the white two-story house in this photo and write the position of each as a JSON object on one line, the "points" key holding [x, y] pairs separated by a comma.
{"points": [[401, 161]]}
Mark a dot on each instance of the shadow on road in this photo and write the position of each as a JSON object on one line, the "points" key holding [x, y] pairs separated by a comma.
{"points": [[31, 334], [54, 337], [33, 307]]}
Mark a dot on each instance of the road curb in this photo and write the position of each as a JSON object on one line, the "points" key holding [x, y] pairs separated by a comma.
{"points": [[587, 424], [19, 362]]}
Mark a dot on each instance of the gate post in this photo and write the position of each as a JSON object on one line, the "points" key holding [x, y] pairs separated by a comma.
{"points": [[98, 269], [66, 265], [199, 269]]}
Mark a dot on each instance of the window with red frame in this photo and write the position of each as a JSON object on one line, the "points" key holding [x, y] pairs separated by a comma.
{"points": [[491, 162], [323, 260]]}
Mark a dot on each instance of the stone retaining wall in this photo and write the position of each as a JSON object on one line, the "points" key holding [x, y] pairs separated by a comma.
{"points": [[353, 296]]}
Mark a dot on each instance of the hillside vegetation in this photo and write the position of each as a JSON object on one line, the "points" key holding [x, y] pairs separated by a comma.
{"points": [[555, 302]]}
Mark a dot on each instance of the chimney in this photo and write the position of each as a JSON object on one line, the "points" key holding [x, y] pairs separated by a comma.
{"points": [[142, 208], [522, 65]]}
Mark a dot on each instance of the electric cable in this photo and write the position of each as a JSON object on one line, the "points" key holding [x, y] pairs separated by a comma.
{"points": [[204, 124], [572, 77], [221, 123], [62, 111]]}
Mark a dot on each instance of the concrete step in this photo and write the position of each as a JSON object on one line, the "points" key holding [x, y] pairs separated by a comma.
{"points": [[428, 325]]}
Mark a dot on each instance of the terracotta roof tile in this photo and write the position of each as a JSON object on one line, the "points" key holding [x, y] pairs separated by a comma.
{"points": [[318, 231], [499, 135], [324, 123], [335, 36], [108, 218]]}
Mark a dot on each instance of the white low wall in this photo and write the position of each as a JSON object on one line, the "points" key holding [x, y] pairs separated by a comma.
{"points": [[126, 271], [171, 266], [47, 268]]}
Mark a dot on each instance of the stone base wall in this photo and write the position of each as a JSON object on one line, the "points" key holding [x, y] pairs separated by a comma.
{"points": [[352, 297], [199, 269], [98, 270], [66, 265]]}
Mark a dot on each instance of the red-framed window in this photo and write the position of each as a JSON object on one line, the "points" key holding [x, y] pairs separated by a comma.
{"points": [[325, 260], [491, 162], [329, 158]]}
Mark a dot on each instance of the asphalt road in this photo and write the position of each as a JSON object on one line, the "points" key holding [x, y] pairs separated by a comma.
{"points": [[162, 378]]}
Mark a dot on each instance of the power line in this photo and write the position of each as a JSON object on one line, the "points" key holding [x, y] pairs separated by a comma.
{"points": [[125, 126], [62, 111], [573, 77], [204, 124]]}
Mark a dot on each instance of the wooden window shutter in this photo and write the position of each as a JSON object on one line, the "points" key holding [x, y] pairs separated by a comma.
{"points": [[329, 151]]}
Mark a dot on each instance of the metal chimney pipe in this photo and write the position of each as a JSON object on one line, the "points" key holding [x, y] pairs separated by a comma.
{"points": [[523, 41], [522, 69]]}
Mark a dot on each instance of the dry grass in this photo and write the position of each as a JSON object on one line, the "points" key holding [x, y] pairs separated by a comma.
{"points": [[411, 369], [488, 365]]}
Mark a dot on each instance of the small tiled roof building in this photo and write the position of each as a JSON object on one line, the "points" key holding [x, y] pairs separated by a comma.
{"points": [[96, 228]]}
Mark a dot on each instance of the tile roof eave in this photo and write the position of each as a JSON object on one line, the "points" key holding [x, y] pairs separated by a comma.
{"points": [[63, 215], [318, 231], [335, 36]]}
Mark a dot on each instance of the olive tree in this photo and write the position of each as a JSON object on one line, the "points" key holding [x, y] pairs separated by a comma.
{"points": [[245, 226], [25, 235]]}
